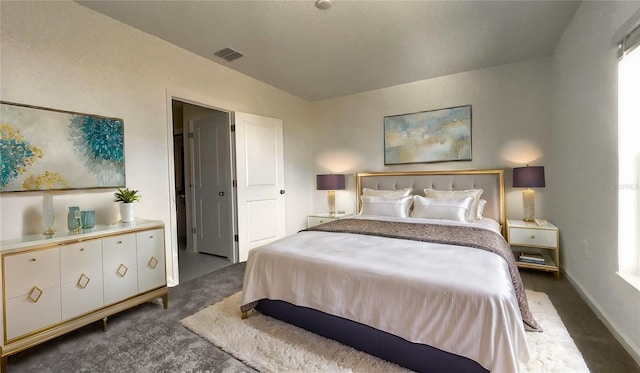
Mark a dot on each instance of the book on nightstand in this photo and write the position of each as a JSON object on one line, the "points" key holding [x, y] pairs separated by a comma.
{"points": [[533, 258]]}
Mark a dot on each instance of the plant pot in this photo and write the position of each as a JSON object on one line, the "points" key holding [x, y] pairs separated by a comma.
{"points": [[126, 212]]}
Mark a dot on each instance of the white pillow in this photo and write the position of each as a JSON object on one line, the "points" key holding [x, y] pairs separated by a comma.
{"points": [[451, 209], [387, 192], [386, 206], [458, 194], [481, 205]]}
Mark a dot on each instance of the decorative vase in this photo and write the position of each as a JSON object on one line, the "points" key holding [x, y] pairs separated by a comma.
{"points": [[72, 219], [87, 219], [48, 216], [126, 212]]}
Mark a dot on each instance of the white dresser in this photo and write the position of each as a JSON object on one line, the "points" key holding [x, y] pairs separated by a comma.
{"points": [[51, 286]]}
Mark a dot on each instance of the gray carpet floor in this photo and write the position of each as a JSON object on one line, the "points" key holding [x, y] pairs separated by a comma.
{"points": [[192, 265], [150, 339]]}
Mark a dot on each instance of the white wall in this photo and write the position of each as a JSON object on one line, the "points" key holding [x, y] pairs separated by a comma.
{"points": [[511, 117], [62, 55], [584, 167]]}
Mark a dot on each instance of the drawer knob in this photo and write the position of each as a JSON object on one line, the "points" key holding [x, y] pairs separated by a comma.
{"points": [[82, 249], [35, 294], [122, 270], [33, 259], [153, 262], [119, 242], [83, 281], [532, 237], [150, 236]]}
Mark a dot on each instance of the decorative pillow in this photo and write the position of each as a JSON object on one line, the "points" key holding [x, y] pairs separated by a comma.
{"points": [[387, 192], [458, 194], [386, 206], [451, 209], [481, 205]]}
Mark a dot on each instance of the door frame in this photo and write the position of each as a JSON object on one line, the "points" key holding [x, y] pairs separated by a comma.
{"points": [[172, 253]]}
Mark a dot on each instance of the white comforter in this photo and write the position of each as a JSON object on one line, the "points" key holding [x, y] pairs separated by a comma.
{"points": [[457, 299]]}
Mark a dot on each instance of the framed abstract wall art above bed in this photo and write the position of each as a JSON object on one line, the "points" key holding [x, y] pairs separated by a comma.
{"points": [[45, 149], [441, 135]]}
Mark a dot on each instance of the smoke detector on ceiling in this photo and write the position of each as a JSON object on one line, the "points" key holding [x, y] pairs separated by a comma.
{"points": [[323, 4]]}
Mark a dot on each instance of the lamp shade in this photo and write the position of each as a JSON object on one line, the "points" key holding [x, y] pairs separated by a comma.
{"points": [[330, 182], [528, 177]]}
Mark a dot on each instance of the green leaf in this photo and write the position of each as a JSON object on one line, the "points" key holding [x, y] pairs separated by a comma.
{"points": [[126, 195]]}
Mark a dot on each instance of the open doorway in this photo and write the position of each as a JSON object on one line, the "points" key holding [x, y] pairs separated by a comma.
{"points": [[203, 182]]}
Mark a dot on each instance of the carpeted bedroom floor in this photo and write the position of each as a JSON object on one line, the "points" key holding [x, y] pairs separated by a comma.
{"points": [[151, 339]]}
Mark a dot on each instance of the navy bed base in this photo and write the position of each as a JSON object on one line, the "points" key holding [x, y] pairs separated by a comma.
{"points": [[417, 357]]}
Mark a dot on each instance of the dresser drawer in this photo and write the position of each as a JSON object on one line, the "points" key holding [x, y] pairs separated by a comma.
{"points": [[78, 258], [120, 284], [151, 266], [82, 295], [533, 237], [35, 268], [118, 250], [25, 315]]}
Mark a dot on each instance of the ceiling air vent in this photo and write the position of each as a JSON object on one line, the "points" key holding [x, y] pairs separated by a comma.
{"points": [[228, 54]]}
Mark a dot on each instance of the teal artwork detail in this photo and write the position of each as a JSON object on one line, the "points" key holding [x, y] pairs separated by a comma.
{"points": [[99, 139], [100, 143], [43, 149], [16, 154]]}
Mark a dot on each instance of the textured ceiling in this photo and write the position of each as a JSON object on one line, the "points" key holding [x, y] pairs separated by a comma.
{"points": [[354, 46]]}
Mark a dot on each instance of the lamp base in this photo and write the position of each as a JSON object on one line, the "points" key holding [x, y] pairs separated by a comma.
{"points": [[331, 200], [529, 205]]}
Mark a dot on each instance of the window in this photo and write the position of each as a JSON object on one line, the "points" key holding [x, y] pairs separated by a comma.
{"points": [[629, 159]]}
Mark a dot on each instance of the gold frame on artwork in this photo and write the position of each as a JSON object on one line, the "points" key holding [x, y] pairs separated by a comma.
{"points": [[441, 135], [50, 149]]}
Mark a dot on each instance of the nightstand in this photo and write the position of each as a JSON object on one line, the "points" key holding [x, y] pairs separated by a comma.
{"points": [[320, 218], [534, 238]]}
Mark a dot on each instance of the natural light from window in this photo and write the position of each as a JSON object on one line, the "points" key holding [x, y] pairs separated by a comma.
{"points": [[629, 167]]}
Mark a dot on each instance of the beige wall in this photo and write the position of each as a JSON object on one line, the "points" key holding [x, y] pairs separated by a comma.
{"points": [[584, 137], [62, 55], [511, 117], [558, 112]]}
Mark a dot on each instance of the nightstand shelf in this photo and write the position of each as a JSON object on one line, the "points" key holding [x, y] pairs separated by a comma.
{"points": [[538, 239], [321, 218]]}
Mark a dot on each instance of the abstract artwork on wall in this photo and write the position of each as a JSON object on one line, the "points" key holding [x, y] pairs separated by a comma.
{"points": [[44, 149], [430, 136]]}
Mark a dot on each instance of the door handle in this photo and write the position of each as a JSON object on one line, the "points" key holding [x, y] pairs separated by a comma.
{"points": [[221, 194], [281, 191]]}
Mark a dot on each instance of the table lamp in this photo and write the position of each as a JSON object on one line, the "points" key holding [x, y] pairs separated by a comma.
{"points": [[330, 183], [528, 177]]}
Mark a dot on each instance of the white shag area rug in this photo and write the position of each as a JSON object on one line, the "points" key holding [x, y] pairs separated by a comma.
{"points": [[270, 345]]}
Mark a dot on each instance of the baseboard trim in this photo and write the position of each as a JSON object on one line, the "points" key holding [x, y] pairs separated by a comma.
{"points": [[626, 343]]}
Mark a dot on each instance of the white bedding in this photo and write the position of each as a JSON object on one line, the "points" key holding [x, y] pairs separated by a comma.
{"points": [[457, 299]]}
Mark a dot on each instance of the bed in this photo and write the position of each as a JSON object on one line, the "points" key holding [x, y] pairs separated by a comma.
{"points": [[430, 287]]}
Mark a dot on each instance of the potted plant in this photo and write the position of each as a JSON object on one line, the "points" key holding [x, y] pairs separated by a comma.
{"points": [[127, 197]]}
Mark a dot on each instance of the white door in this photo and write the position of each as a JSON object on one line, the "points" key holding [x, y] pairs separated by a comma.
{"points": [[213, 219], [260, 181]]}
